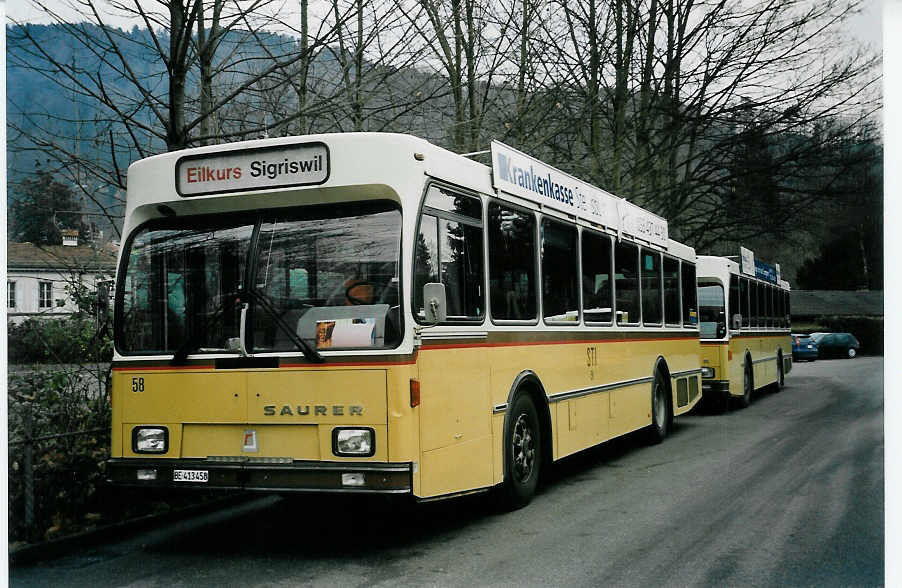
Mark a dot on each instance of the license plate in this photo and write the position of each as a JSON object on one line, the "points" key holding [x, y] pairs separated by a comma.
{"points": [[201, 476]]}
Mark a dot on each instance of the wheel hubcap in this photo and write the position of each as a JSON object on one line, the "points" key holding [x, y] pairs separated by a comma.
{"points": [[524, 450]]}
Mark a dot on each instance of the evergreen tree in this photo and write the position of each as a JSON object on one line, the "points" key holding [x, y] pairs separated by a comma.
{"points": [[32, 208]]}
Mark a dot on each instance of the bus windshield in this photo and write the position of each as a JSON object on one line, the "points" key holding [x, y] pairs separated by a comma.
{"points": [[712, 324], [327, 274]]}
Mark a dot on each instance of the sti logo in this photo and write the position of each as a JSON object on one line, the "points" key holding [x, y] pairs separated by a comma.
{"points": [[250, 441]]}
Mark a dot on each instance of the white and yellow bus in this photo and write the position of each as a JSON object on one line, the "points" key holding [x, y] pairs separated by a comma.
{"points": [[371, 313], [745, 327]]}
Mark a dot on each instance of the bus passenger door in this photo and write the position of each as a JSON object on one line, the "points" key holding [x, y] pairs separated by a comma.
{"points": [[455, 421]]}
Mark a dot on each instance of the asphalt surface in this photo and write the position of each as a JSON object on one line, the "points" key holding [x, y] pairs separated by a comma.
{"points": [[789, 491]]}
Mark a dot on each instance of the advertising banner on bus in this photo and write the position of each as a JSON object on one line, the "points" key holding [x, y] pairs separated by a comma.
{"points": [[519, 174], [765, 271]]}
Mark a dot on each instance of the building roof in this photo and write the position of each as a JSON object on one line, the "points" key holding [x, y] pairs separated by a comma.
{"points": [[21, 256], [813, 303]]}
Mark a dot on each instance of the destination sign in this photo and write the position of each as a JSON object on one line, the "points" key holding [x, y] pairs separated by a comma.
{"points": [[252, 169], [516, 173]]}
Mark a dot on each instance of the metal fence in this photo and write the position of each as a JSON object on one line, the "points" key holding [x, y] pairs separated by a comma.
{"points": [[54, 467], [28, 444]]}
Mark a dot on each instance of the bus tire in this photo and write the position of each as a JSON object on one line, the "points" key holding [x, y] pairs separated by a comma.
{"points": [[748, 384], [522, 454], [778, 385], [660, 412]]}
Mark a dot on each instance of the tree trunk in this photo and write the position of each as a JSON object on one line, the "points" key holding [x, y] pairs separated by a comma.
{"points": [[301, 85], [176, 135]]}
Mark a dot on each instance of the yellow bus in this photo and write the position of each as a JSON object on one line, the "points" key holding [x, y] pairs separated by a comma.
{"points": [[370, 313], [744, 319]]}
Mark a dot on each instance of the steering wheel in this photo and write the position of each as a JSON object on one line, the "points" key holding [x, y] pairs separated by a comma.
{"points": [[357, 283]]}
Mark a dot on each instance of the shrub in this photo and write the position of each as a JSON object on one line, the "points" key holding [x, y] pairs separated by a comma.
{"points": [[68, 470], [71, 339]]}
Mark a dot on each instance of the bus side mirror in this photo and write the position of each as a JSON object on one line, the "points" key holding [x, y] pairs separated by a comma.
{"points": [[737, 321], [436, 303]]}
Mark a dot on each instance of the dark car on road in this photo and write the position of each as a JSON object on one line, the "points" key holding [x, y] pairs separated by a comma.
{"points": [[836, 344], [803, 347]]}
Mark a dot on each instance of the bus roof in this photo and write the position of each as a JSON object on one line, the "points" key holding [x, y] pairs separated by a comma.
{"points": [[715, 266], [273, 172]]}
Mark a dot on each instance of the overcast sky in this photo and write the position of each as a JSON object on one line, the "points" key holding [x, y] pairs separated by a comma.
{"points": [[866, 26]]}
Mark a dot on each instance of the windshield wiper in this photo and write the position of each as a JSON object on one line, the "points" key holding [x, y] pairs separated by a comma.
{"points": [[309, 352]]}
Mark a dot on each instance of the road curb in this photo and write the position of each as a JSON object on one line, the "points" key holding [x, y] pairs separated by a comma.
{"points": [[34, 552]]}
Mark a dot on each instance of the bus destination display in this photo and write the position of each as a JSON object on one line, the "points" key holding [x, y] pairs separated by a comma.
{"points": [[253, 169]]}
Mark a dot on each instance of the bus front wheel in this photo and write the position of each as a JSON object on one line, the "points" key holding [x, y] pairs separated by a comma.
{"points": [[522, 454]]}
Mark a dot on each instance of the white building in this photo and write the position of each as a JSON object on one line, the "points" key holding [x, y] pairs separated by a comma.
{"points": [[37, 277]]}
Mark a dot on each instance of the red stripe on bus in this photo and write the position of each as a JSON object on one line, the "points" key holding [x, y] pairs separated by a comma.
{"points": [[562, 342], [411, 361], [163, 367]]}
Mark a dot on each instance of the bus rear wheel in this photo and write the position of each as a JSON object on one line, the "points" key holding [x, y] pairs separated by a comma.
{"points": [[660, 413], [746, 399], [522, 454], [778, 385]]}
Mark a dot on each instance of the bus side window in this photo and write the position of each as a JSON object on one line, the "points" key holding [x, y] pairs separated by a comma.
{"points": [[771, 320], [734, 301], [753, 302], [449, 250], [744, 301], [787, 309], [626, 283], [778, 299], [671, 291], [690, 295], [512, 263], [596, 273], [560, 297], [651, 287]]}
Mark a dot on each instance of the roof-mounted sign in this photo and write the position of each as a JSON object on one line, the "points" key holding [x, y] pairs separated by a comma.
{"points": [[516, 173], [746, 261], [766, 272], [240, 170], [755, 267]]}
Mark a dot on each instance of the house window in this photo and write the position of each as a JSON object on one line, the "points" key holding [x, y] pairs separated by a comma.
{"points": [[45, 294], [10, 294]]}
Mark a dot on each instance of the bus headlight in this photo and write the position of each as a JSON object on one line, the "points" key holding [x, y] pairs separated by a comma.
{"points": [[707, 372], [353, 442], [150, 439]]}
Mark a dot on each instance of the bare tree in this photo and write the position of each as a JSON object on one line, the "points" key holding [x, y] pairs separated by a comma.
{"points": [[465, 43], [665, 90]]}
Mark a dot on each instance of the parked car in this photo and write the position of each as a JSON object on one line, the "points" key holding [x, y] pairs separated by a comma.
{"points": [[803, 347], [836, 344]]}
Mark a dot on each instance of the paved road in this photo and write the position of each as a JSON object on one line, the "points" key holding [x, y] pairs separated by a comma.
{"points": [[786, 492]]}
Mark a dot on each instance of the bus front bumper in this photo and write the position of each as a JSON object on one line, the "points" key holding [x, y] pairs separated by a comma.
{"points": [[274, 475]]}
